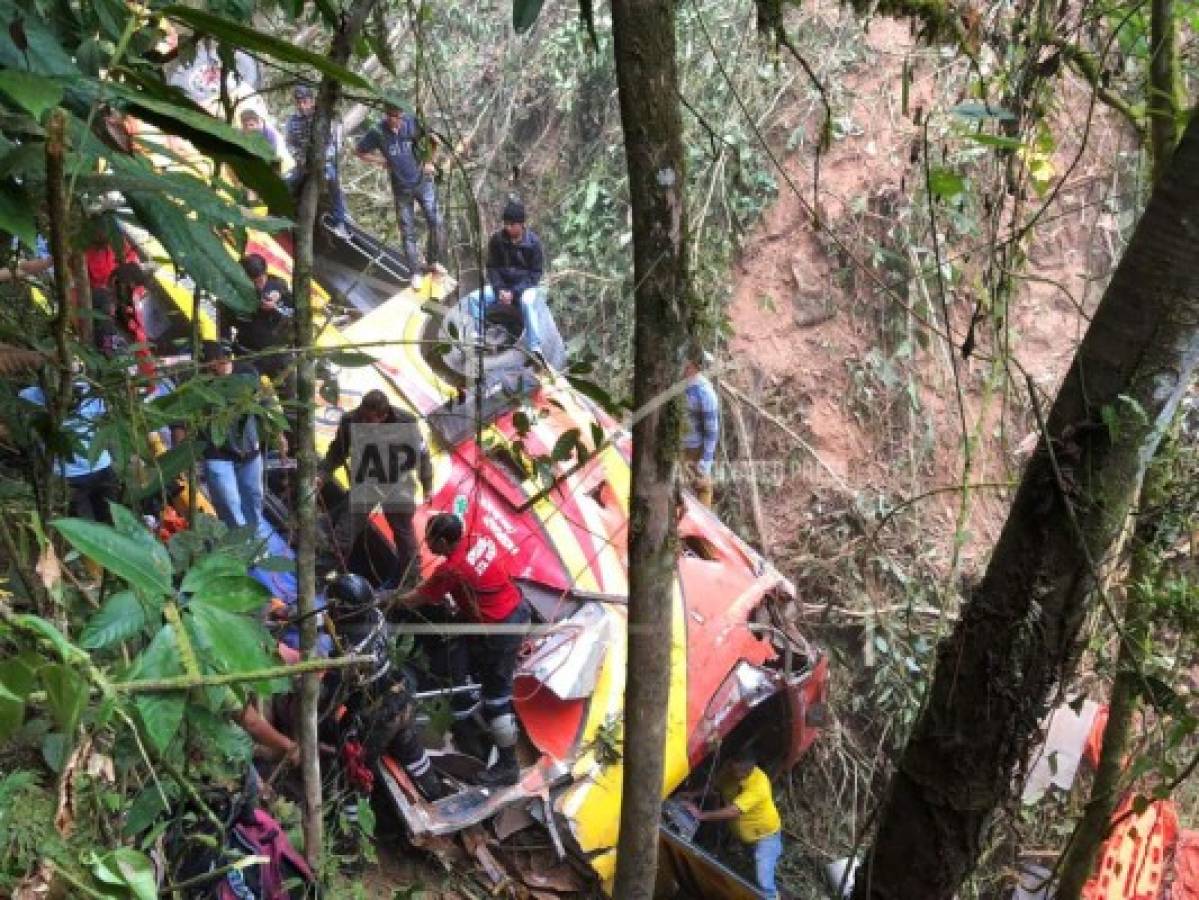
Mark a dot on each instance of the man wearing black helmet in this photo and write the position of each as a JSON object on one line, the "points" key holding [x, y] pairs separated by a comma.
{"points": [[475, 575], [515, 264], [375, 713], [297, 134], [269, 327]]}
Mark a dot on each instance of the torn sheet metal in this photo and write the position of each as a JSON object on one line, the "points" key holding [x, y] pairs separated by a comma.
{"points": [[567, 661], [1056, 762], [467, 807]]}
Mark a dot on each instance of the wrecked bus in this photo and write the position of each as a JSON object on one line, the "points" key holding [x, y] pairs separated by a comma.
{"points": [[741, 665]]}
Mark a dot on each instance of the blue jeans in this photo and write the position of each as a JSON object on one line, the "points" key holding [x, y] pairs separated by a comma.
{"points": [[237, 493], [528, 309], [425, 194], [766, 859], [337, 200]]}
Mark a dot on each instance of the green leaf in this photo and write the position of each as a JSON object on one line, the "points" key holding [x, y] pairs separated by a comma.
{"points": [[520, 421], [127, 868], [16, 215], [945, 183], [350, 359], [166, 468], [122, 616], [33, 93], [593, 391], [255, 41], [144, 567], [17, 676], [160, 714], [66, 694], [66, 650], [565, 445], [196, 250], [234, 643], [56, 748], [148, 806], [235, 594], [131, 526], [12, 713], [209, 569], [525, 13]]}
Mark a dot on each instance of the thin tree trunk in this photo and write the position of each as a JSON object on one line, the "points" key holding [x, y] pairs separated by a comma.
{"points": [[1017, 637], [1092, 828], [1163, 85], [330, 90], [644, 47]]}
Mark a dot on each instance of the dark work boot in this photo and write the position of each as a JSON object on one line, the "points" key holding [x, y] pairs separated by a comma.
{"points": [[506, 770]]}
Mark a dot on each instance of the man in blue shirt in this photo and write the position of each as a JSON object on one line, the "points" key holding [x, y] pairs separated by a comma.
{"points": [[395, 145], [701, 429], [297, 133], [515, 264], [92, 485]]}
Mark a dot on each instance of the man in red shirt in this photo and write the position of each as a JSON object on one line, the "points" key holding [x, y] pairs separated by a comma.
{"points": [[475, 575]]}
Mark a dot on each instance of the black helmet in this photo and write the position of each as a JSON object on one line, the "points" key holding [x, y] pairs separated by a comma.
{"points": [[349, 596]]}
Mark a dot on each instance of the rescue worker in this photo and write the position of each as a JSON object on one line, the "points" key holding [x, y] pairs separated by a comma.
{"points": [[371, 710], [515, 264], [399, 503], [701, 428], [395, 144], [297, 132], [253, 123], [269, 327], [750, 811], [475, 576]]}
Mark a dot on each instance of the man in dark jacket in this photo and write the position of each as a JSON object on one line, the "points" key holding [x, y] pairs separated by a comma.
{"points": [[373, 451], [269, 327], [400, 144], [515, 264], [297, 132]]}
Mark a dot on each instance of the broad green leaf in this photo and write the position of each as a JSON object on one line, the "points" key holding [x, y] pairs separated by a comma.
{"points": [[146, 568], [234, 593], [66, 650], [131, 526], [237, 643], [160, 714], [44, 53], [254, 41], [122, 616], [12, 713], [16, 215], [33, 93], [66, 694], [350, 359], [945, 183], [196, 250], [166, 468], [524, 13], [24, 160], [127, 868], [593, 391], [17, 676], [148, 806], [56, 748], [210, 568]]}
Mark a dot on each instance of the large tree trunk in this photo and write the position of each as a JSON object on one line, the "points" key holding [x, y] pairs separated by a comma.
{"points": [[1016, 639], [1135, 646], [330, 90], [644, 47], [1163, 85]]}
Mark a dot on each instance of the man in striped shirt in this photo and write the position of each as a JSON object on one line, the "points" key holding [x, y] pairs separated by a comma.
{"points": [[701, 428]]}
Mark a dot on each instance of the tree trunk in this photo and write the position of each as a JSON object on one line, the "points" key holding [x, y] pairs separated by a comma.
{"points": [[1092, 828], [644, 48], [330, 90], [1017, 635], [1163, 85]]}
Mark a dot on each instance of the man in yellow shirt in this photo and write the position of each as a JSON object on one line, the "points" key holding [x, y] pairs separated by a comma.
{"points": [[750, 811]]}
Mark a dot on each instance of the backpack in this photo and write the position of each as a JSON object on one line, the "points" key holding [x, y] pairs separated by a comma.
{"points": [[258, 834]]}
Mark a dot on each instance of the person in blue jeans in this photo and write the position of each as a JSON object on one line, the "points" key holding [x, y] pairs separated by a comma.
{"points": [[233, 465], [400, 144], [750, 811], [515, 264], [297, 132]]}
